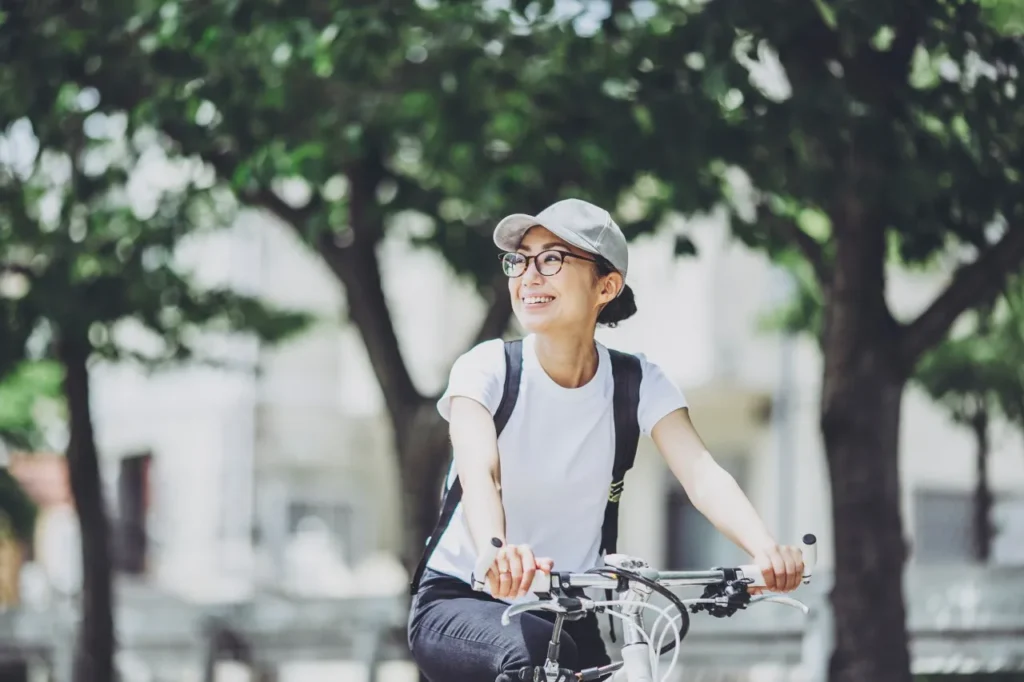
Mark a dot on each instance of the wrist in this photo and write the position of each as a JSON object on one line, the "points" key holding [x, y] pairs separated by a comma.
{"points": [[484, 544], [762, 544]]}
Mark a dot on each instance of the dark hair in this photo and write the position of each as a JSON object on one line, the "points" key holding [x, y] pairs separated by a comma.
{"points": [[620, 308]]}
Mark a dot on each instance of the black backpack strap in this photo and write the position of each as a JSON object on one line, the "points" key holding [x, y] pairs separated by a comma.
{"points": [[627, 375], [510, 393], [452, 495]]}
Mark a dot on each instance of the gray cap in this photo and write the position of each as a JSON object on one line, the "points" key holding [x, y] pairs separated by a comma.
{"points": [[578, 222]]}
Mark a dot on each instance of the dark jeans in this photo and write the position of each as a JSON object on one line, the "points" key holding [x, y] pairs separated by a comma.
{"points": [[456, 635]]}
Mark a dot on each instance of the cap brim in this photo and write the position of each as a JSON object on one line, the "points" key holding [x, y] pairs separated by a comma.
{"points": [[509, 233]]}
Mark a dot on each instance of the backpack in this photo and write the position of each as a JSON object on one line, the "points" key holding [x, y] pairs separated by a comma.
{"points": [[626, 374]]}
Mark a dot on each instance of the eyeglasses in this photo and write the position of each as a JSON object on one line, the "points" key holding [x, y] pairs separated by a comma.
{"points": [[548, 262]]}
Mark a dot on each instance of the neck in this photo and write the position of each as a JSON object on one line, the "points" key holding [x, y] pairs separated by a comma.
{"points": [[570, 360]]}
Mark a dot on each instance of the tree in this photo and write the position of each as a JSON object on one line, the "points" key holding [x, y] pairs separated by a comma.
{"points": [[862, 129], [460, 113], [962, 374], [972, 375], [87, 259]]}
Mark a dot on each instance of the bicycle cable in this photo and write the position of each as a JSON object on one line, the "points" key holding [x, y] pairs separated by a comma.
{"points": [[684, 625]]}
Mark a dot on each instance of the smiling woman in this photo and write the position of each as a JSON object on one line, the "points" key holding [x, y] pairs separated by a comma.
{"points": [[539, 436]]}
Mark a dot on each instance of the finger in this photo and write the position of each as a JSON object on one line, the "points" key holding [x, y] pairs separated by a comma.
{"points": [[492, 579], [779, 570], [504, 577], [515, 563], [789, 584], [798, 567], [754, 591], [768, 571], [545, 564], [529, 568]]}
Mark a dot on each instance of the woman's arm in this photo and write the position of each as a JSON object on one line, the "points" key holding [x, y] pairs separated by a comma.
{"points": [[716, 495], [475, 448]]}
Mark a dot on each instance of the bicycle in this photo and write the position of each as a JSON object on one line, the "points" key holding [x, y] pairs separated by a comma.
{"points": [[563, 593]]}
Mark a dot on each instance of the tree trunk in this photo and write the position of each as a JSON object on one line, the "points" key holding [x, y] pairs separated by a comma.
{"points": [[864, 378], [982, 492], [94, 646], [861, 429]]}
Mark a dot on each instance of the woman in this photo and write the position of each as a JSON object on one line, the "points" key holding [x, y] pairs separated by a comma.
{"points": [[542, 486]]}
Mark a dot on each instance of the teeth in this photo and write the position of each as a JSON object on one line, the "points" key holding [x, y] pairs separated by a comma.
{"points": [[538, 299]]}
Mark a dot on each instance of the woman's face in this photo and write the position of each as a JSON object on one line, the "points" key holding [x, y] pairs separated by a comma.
{"points": [[570, 297]]}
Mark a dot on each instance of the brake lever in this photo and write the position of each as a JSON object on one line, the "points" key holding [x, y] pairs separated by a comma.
{"points": [[516, 609], [785, 601], [572, 607]]}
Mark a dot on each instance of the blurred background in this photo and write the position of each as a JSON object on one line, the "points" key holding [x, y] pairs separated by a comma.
{"points": [[242, 242]]}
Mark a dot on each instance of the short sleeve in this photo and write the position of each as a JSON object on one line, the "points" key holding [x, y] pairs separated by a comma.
{"points": [[479, 373], [659, 396]]}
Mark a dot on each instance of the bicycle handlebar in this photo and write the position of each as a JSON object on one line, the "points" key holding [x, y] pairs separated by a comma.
{"points": [[560, 593], [542, 581]]}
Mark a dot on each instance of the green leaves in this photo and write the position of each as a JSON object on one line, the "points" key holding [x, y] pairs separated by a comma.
{"points": [[27, 393], [17, 510], [94, 208], [500, 120], [982, 367]]}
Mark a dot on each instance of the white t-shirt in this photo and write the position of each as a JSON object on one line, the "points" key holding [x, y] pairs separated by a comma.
{"points": [[556, 454]]}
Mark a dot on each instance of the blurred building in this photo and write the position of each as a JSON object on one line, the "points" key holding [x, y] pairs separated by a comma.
{"points": [[288, 455]]}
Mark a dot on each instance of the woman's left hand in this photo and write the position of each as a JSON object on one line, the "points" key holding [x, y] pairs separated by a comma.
{"points": [[782, 567]]}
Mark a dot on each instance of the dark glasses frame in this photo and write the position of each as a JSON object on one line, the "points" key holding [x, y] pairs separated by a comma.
{"points": [[513, 261]]}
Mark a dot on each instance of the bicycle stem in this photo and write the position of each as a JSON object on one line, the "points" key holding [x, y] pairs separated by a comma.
{"points": [[635, 652], [551, 669], [637, 594]]}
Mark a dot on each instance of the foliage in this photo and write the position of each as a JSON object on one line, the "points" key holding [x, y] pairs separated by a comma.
{"points": [[90, 247], [27, 391], [1008, 386], [456, 112], [980, 366], [968, 373], [18, 508], [912, 106]]}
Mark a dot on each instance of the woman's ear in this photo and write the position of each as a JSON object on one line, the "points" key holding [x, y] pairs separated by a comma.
{"points": [[611, 286]]}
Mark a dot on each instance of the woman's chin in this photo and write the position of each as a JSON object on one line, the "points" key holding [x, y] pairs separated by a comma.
{"points": [[535, 321]]}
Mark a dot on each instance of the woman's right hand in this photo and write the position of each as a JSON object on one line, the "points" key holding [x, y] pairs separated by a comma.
{"points": [[512, 572]]}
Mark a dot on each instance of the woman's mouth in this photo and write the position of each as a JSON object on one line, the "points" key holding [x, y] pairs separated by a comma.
{"points": [[537, 301]]}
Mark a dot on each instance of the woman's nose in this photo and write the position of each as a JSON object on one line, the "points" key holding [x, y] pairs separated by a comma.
{"points": [[532, 274]]}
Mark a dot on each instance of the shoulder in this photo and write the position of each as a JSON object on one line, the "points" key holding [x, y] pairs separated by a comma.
{"points": [[489, 353], [479, 373], [659, 395], [655, 375], [648, 367]]}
